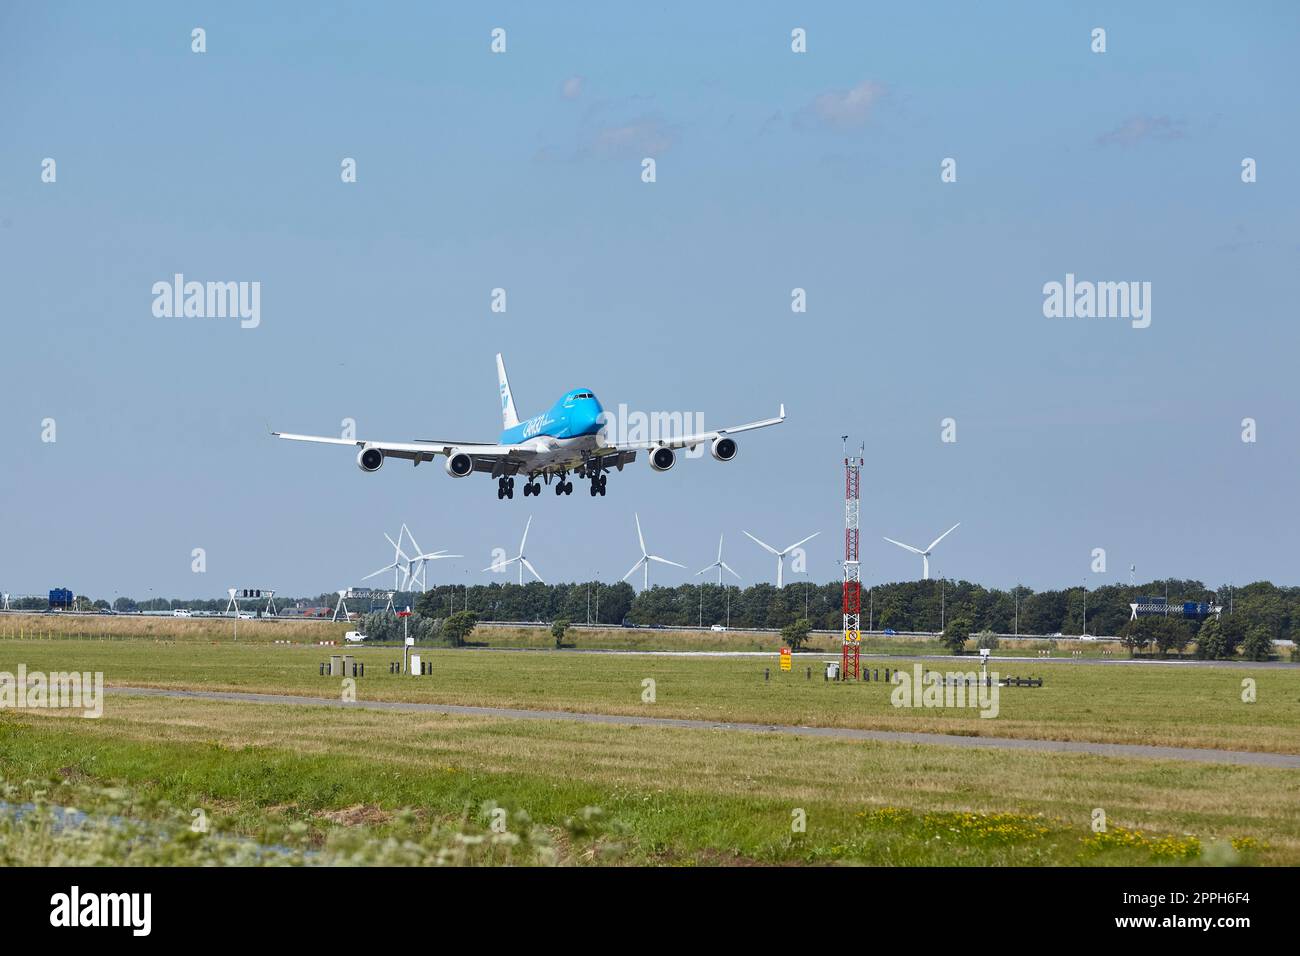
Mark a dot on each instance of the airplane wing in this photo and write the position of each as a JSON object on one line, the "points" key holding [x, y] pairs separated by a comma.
{"points": [[486, 456], [697, 438]]}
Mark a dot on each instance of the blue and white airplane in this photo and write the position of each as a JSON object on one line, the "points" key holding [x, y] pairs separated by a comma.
{"points": [[571, 437]]}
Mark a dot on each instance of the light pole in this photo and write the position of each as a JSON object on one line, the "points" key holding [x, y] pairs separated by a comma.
{"points": [[1085, 609], [942, 604], [1017, 609]]}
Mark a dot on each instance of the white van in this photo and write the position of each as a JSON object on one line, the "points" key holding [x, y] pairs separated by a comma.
{"points": [[182, 612]]}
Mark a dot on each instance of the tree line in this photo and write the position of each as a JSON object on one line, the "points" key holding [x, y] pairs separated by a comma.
{"points": [[924, 606]]}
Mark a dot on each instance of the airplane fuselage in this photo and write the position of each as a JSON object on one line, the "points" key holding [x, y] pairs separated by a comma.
{"points": [[569, 430], [576, 415]]}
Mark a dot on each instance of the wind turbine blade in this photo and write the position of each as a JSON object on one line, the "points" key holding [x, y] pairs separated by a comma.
{"points": [[728, 568], [440, 555], [655, 557], [719, 547], [797, 543], [639, 536], [762, 544], [501, 566], [702, 570], [524, 539], [640, 561], [380, 571], [531, 569], [905, 546], [942, 536]]}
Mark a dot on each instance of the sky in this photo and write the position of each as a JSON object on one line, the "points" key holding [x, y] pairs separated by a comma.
{"points": [[774, 170]]}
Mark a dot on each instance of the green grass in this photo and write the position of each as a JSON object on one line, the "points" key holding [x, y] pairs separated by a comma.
{"points": [[335, 786], [1176, 706], [342, 781]]}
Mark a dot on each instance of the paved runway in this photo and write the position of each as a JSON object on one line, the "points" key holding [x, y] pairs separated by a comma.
{"points": [[1142, 751]]}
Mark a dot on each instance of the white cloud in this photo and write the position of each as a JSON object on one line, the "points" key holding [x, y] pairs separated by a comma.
{"points": [[572, 88], [1138, 128], [842, 109], [648, 135]]}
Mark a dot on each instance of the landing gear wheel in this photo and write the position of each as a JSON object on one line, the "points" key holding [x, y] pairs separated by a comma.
{"points": [[603, 480], [568, 487], [559, 488]]}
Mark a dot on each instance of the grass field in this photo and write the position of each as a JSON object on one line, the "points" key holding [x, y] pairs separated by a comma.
{"points": [[355, 786], [1189, 706]]}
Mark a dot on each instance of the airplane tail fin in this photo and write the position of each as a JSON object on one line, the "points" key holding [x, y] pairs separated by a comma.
{"points": [[509, 417]]}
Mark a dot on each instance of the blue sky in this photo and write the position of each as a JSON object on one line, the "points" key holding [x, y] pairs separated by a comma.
{"points": [[775, 170]]}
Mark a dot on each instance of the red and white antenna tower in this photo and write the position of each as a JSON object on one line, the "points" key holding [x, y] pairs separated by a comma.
{"points": [[852, 574]]}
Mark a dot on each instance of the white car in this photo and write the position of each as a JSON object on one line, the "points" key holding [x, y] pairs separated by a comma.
{"points": [[354, 637], [182, 612], [717, 627]]}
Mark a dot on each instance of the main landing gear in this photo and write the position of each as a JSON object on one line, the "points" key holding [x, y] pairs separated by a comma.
{"points": [[563, 485]]}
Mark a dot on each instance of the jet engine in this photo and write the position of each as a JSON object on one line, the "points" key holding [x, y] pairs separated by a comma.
{"points": [[459, 464], [661, 459], [723, 448], [370, 459]]}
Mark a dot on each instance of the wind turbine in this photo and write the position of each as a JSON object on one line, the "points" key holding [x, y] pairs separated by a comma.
{"points": [[399, 558], [925, 555], [719, 564], [415, 565], [646, 557], [523, 561], [780, 555]]}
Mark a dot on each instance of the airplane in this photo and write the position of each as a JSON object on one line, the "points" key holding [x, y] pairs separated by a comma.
{"points": [[568, 438]]}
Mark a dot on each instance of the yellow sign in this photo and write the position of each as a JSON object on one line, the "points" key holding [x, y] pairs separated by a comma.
{"points": [[851, 637], [785, 658]]}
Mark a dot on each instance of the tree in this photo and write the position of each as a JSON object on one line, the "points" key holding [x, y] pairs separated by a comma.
{"points": [[1137, 634], [1171, 633], [1211, 642], [459, 627], [557, 631], [987, 640], [955, 635], [795, 634], [1258, 645]]}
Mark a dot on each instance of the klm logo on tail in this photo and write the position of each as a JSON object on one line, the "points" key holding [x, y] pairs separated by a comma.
{"points": [[509, 418]]}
